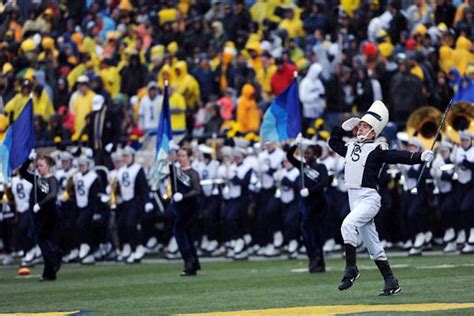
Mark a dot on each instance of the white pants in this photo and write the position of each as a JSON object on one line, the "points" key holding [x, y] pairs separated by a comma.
{"points": [[365, 204]]}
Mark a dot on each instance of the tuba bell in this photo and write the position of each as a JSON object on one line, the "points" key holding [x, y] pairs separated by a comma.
{"points": [[424, 123], [461, 117]]}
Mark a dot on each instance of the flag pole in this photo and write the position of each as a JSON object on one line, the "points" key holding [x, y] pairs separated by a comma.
{"points": [[300, 145], [175, 181]]}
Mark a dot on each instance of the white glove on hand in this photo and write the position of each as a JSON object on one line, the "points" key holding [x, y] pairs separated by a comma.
{"points": [[304, 192], [36, 208], [32, 155], [177, 197], [96, 217], [148, 207], [299, 138], [427, 156], [104, 198], [108, 147], [349, 124]]}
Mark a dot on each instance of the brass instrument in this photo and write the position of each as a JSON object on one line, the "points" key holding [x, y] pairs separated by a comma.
{"points": [[424, 123], [460, 117], [69, 192], [113, 193]]}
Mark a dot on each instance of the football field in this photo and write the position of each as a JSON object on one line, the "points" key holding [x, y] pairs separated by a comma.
{"points": [[273, 287]]}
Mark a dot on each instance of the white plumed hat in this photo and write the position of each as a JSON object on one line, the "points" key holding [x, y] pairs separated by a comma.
{"points": [[376, 116]]}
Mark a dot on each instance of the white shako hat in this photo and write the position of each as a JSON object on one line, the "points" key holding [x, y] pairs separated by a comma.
{"points": [[377, 117]]}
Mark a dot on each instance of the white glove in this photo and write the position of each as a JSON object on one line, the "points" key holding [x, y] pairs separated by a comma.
{"points": [[299, 138], [148, 207], [96, 217], [349, 124], [32, 155], [177, 197], [36, 208], [304, 192], [104, 198], [108, 147], [427, 156]]}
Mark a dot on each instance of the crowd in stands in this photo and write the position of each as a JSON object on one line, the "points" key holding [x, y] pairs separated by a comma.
{"points": [[225, 61]]}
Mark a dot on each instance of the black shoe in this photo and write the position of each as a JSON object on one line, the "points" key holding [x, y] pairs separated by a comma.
{"points": [[188, 273], [196, 264], [46, 279], [391, 287], [316, 265], [350, 275]]}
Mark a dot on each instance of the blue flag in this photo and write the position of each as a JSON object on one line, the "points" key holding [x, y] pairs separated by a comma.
{"points": [[282, 120], [5, 147], [23, 136], [164, 135]]}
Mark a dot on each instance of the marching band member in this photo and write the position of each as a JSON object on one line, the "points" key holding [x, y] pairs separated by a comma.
{"points": [[446, 200], [67, 207], [364, 159], [417, 204], [313, 202], [226, 172], [185, 209], [464, 160], [21, 190], [45, 216], [288, 177], [7, 224], [330, 229], [210, 200], [268, 213], [133, 188], [87, 187]]}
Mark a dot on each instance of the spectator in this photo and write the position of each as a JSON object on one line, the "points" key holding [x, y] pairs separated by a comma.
{"points": [[62, 95], [150, 108], [444, 12], [441, 93], [364, 93], [214, 122], [205, 78], [14, 107], [178, 112], [41, 103], [282, 77], [133, 76], [312, 95], [80, 104], [226, 105], [57, 129], [406, 92], [248, 114]]}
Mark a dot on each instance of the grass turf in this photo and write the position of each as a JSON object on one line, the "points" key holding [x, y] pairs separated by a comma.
{"points": [[151, 289]]}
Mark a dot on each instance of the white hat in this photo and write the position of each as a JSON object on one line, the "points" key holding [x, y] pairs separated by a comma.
{"points": [[204, 149], [402, 136], [152, 84], [465, 134], [416, 142], [376, 117], [239, 152], [445, 145], [97, 102], [65, 155], [84, 160], [324, 145], [226, 151], [129, 151], [116, 156], [82, 79]]}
